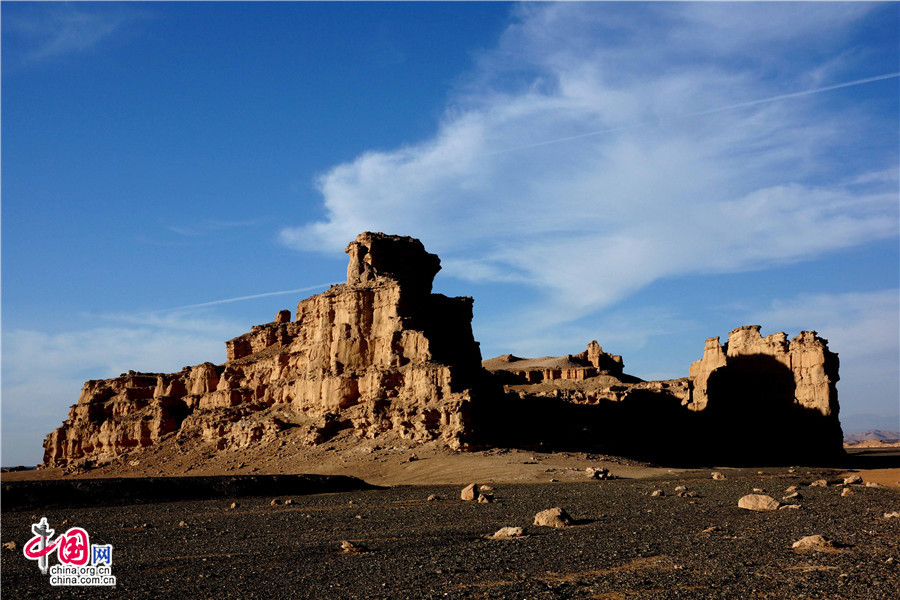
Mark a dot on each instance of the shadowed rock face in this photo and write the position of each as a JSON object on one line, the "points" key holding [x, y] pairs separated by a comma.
{"points": [[377, 354], [755, 399], [381, 354]]}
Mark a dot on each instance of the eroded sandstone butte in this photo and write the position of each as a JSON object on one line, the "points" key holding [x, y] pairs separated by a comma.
{"points": [[752, 399], [378, 354], [383, 356]]}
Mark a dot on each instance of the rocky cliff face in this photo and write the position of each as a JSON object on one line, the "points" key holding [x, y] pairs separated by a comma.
{"points": [[377, 354], [383, 356], [754, 399], [805, 369]]}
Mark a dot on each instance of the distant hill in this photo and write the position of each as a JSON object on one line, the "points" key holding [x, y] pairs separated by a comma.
{"points": [[873, 435]]}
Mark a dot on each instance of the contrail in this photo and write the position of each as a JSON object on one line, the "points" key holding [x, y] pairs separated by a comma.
{"points": [[241, 298], [798, 94], [702, 112]]}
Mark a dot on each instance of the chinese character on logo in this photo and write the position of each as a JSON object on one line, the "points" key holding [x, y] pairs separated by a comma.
{"points": [[101, 554], [74, 547]]}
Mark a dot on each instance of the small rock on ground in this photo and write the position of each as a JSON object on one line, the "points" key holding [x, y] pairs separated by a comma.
{"points": [[813, 542], [506, 533], [758, 502], [352, 548], [469, 493], [553, 517]]}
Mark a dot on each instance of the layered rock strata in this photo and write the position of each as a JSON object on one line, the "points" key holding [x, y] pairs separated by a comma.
{"points": [[378, 354], [590, 363], [754, 397]]}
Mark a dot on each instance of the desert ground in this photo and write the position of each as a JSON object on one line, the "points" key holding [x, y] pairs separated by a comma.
{"points": [[414, 537]]}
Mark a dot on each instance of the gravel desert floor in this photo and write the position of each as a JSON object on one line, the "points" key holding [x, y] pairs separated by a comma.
{"points": [[625, 542]]}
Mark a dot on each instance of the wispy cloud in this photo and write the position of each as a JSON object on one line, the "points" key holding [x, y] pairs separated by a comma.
{"points": [[213, 226], [243, 298], [43, 372], [43, 31], [602, 147]]}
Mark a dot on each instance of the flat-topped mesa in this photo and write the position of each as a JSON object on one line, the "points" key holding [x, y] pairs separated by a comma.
{"points": [[379, 354], [590, 363]]}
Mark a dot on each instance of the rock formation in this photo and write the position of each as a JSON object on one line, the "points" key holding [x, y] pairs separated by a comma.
{"points": [[378, 354], [590, 363], [382, 355], [755, 398], [813, 368]]}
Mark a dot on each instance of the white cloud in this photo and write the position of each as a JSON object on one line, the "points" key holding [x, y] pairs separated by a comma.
{"points": [[661, 193], [43, 372], [49, 30]]}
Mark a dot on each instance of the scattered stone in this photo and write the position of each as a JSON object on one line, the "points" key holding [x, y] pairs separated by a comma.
{"points": [[846, 492], [9, 545], [433, 498], [234, 505], [690, 494], [793, 496], [853, 479], [680, 488], [182, 524], [598, 473], [710, 530], [758, 502], [791, 470], [873, 484], [358, 517], [553, 517], [274, 502], [759, 490], [657, 493], [470, 492], [789, 507], [813, 542], [485, 494], [819, 483], [892, 515], [351, 548], [288, 502], [718, 476], [506, 533], [792, 488]]}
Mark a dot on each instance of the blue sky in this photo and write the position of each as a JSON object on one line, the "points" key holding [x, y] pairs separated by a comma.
{"points": [[647, 175]]}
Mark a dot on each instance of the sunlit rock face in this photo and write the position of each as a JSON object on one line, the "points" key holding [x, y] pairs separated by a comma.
{"points": [[378, 354], [382, 356]]}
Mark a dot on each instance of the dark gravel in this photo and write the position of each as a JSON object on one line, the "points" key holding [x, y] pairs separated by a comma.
{"points": [[626, 544]]}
